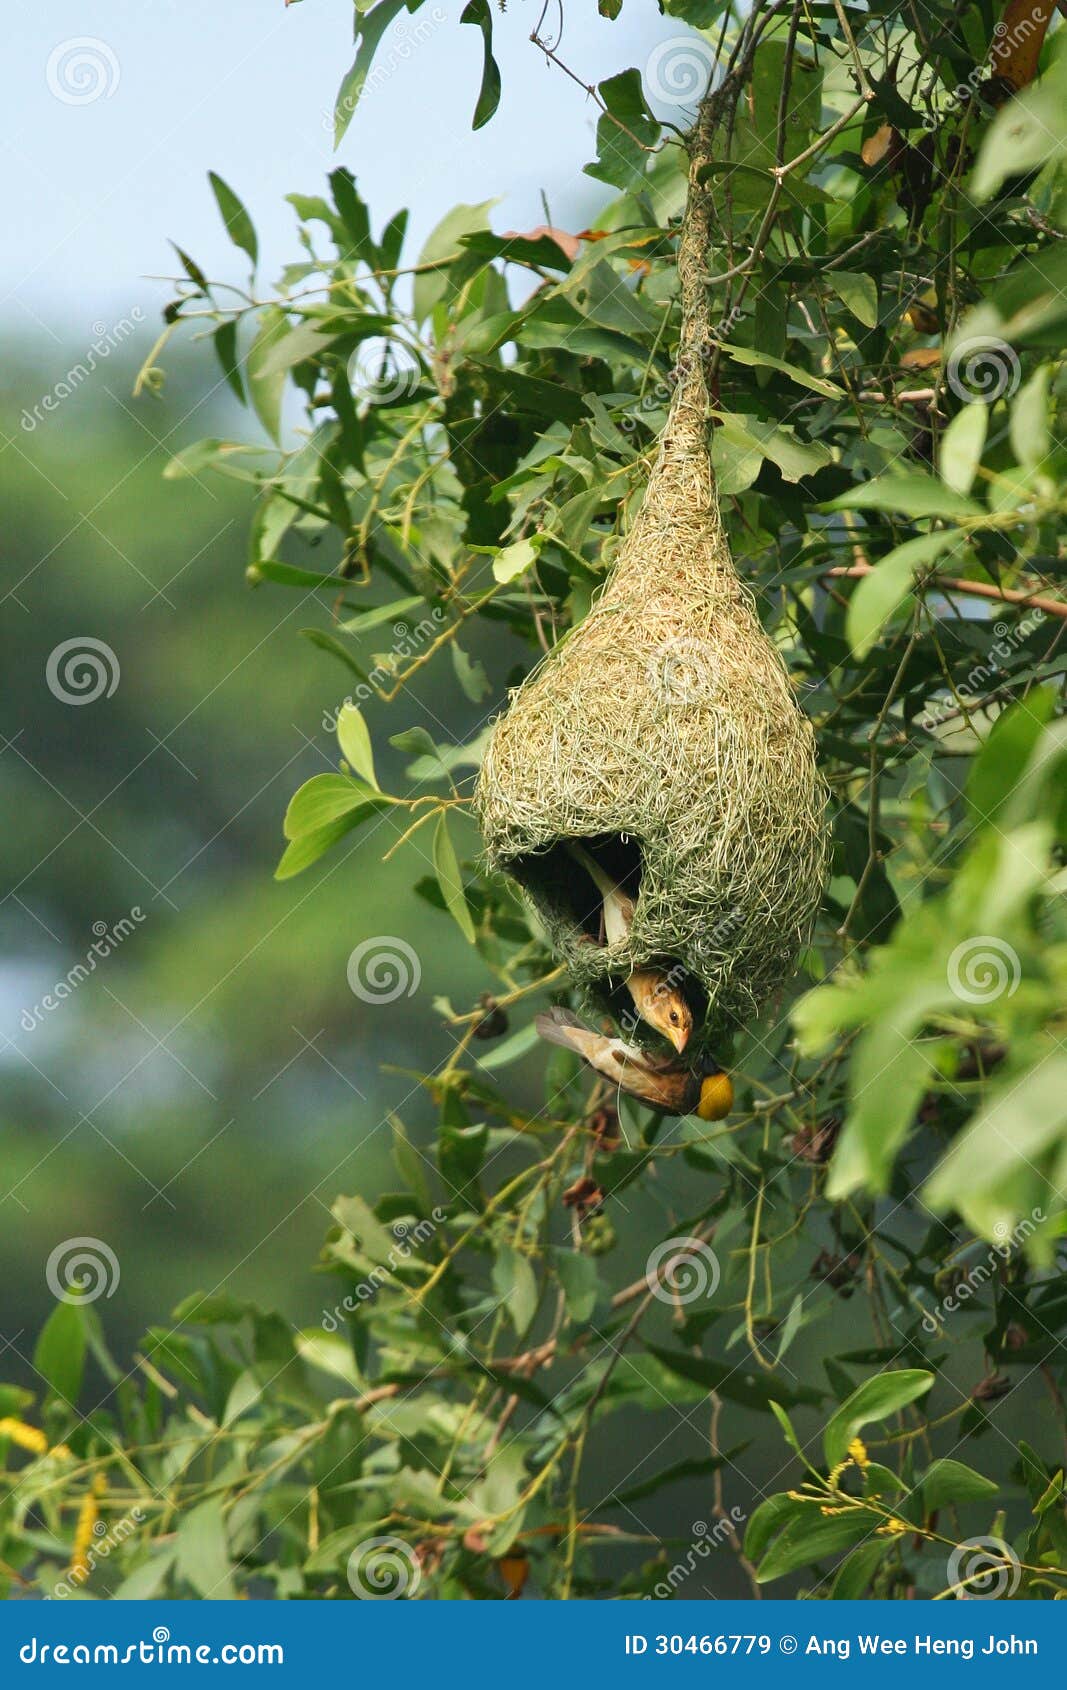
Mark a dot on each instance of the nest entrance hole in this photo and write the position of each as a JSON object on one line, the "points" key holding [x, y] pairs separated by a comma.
{"points": [[566, 893], [559, 883]]}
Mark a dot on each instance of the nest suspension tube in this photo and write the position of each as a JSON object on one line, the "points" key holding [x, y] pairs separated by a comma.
{"points": [[662, 740]]}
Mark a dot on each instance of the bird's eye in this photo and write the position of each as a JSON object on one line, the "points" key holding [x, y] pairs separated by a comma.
{"points": [[674, 1018]]}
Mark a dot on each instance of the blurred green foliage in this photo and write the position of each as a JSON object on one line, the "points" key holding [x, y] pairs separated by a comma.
{"points": [[182, 777]]}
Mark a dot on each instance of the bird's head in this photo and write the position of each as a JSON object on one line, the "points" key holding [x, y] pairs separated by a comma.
{"points": [[663, 1007], [716, 1096]]}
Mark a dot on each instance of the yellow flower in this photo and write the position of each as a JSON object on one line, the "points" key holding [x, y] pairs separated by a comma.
{"points": [[857, 1450], [25, 1437], [893, 1527], [84, 1532], [825, 1510]]}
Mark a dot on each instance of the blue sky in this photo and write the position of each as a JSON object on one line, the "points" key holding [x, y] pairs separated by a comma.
{"points": [[94, 186]]}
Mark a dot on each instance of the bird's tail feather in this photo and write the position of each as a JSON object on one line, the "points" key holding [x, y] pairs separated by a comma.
{"points": [[598, 875]]}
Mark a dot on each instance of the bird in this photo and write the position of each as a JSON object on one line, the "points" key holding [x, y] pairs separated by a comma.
{"points": [[672, 1088], [657, 999]]}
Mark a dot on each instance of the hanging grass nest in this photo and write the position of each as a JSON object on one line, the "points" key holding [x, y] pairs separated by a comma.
{"points": [[663, 738]]}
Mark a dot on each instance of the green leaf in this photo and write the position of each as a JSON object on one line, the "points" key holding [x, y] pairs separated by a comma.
{"points": [[370, 25], [323, 799], [1017, 1125], [515, 1284], [736, 464], [60, 1353], [373, 1238], [514, 560], [238, 223], [410, 1165], [300, 853], [914, 494], [192, 269], [210, 1309], [1029, 419], [510, 1050], [203, 1556], [794, 458], [14, 1401], [446, 866], [791, 1325], [811, 1537], [994, 774], [770, 1518], [857, 1570], [286, 575], [1025, 132], [878, 595], [857, 293], [374, 615], [353, 736], [890, 1072], [961, 446], [330, 1352], [147, 1580], [443, 243], [431, 761], [354, 215], [470, 674], [201, 454], [875, 1399], [698, 1467], [803, 378], [950, 1481], [306, 341], [750, 1389], [786, 1424], [225, 343], [626, 132], [326, 642], [477, 12], [578, 1278], [265, 385]]}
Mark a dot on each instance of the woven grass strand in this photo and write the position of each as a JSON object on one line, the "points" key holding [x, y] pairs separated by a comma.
{"points": [[666, 725]]}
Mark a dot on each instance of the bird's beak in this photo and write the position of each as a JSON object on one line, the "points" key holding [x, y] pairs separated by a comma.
{"points": [[679, 1037]]}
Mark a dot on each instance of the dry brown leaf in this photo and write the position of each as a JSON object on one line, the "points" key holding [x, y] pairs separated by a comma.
{"points": [[514, 1570], [568, 244], [1018, 39], [921, 358], [876, 146], [923, 318]]}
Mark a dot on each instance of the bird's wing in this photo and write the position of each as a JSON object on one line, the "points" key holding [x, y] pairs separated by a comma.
{"points": [[654, 1082], [560, 1027], [611, 1057], [557, 1024]]}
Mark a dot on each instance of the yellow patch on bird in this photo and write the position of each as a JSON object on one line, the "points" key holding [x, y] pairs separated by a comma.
{"points": [[716, 1097]]}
